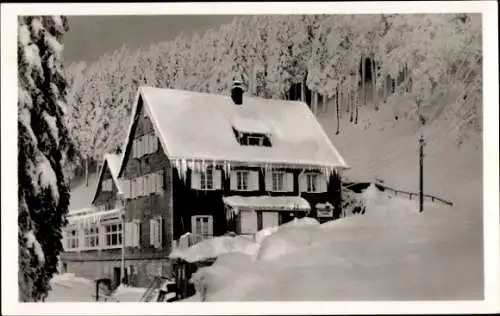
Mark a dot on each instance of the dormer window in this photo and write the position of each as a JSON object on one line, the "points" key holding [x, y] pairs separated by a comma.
{"points": [[252, 139]]}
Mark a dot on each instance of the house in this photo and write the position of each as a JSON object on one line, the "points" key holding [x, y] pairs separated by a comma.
{"points": [[208, 164]]}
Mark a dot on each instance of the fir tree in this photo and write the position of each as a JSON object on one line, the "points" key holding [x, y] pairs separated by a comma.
{"points": [[44, 147]]}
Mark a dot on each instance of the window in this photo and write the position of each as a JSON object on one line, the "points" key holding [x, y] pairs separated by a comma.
{"points": [[91, 237], [207, 179], [202, 227], [107, 185], [278, 179], [242, 180], [156, 231], [113, 233], [132, 233], [72, 241], [254, 140], [312, 182], [144, 145]]}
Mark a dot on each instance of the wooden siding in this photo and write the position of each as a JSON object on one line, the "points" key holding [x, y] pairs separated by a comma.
{"points": [[107, 198], [144, 208], [189, 202]]}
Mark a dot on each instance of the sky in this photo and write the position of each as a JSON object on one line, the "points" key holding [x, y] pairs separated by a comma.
{"points": [[90, 37]]}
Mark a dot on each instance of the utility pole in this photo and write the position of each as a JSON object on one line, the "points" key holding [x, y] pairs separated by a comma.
{"points": [[421, 157], [421, 200]]}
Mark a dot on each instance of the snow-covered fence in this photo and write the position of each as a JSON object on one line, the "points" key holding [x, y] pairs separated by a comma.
{"points": [[383, 187]]}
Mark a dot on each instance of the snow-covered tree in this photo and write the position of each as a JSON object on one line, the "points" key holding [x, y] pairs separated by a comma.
{"points": [[43, 148]]}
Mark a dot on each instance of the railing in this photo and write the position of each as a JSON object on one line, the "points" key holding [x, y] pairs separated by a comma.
{"points": [[379, 184], [185, 241], [413, 194]]}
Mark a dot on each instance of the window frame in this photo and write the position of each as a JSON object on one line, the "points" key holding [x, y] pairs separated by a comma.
{"points": [[282, 177], [118, 233], [89, 236], [314, 177], [244, 184], [72, 241], [259, 139], [107, 185], [200, 236], [207, 179]]}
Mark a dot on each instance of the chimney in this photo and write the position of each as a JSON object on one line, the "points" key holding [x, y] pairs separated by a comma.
{"points": [[237, 92]]}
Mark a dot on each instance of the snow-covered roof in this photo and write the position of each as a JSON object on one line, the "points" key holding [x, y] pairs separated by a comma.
{"points": [[283, 203], [112, 161], [94, 217], [198, 126], [215, 247]]}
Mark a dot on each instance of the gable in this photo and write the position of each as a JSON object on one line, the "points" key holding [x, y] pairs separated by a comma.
{"points": [[108, 171]]}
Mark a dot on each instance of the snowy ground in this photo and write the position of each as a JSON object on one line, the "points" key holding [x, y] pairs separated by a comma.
{"points": [[69, 288], [392, 253]]}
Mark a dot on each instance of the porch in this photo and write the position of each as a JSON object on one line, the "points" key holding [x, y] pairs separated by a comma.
{"points": [[247, 215]]}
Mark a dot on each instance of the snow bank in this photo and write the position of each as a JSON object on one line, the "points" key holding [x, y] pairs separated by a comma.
{"points": [[391, 253], [214, 247], [124, 293], [67, 287]]}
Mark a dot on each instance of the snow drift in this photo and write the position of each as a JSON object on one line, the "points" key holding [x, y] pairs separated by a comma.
{"points": [[391, 253]]}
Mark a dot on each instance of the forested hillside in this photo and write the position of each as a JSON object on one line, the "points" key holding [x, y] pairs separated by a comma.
{"points": [[420, 66]]}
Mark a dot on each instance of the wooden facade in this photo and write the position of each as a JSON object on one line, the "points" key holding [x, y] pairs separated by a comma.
{"points": [[171, 209]]}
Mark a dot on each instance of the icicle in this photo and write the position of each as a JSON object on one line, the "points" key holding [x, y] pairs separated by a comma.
{"points": [[190, 164], [183, 169], [178, 167]]}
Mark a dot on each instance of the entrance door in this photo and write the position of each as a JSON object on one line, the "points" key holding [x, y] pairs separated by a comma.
{"points": [[116, 276], [286, 217], [270, 219]]}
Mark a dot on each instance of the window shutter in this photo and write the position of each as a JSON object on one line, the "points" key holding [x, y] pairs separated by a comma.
{"points": [[289, 182], [125, 188], [128, 234], [147, 184], [140, 147], [322, 185], [152, 231], [302, 182], [147, 144], [234, 181], [217, 179], [136, 226], [152, 183], [195, 180], [159, 181], [269, 180], [253, 180], [155, 144], [210, 226], [193, 225], [159, 232], [142, 185]]}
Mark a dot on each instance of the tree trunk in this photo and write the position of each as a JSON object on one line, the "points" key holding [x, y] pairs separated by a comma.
{"points": [[315, 103], [87, 171], [303, 91], [363, 78], [374, 83], [351, 105], [337, 102]]}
